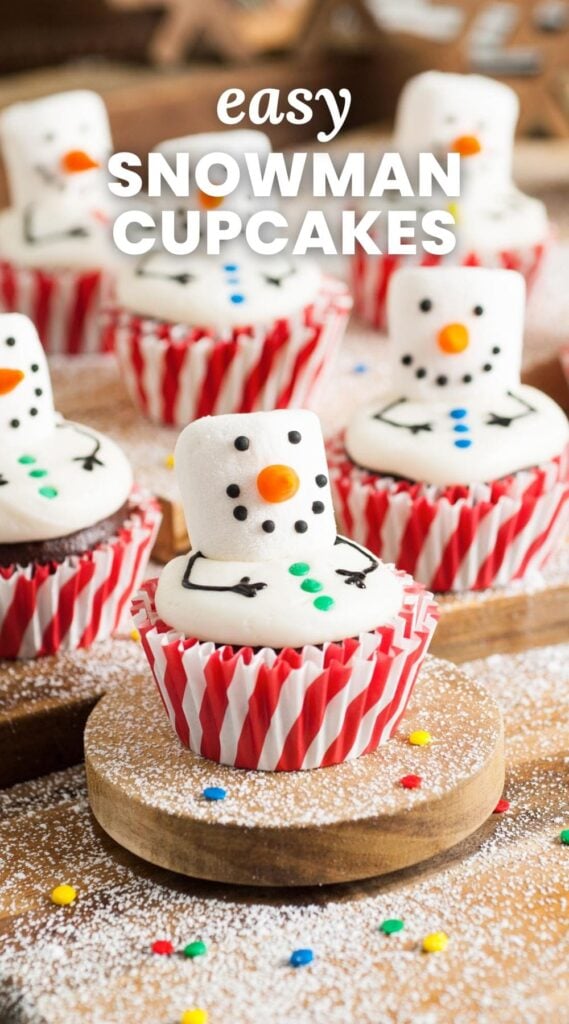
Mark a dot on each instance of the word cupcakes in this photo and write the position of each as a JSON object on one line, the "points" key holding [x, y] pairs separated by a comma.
{"points": [[496, 225], [458, 473], [275, 643], [74, 534]]}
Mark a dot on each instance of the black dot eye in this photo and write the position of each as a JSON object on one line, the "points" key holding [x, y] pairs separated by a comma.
{"points": [[294, 437], [14, 423], [496, 350], [425, 305], [321, 480], [241, 443], [317, 507], [34, 367], [300, 526], [467, 379], [441, 381], [33, 412], [38, 392], [478, 310], [233, 491], [421, 372], [268, 526], [406, 360], [240, 513], [10, 342], [487, 367]]}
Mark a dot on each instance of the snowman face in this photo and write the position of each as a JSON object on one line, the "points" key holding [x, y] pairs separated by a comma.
{"points": [[26, 400], [454, 331], [56, 147], [468, 114], [255, 486], [236, 144]]}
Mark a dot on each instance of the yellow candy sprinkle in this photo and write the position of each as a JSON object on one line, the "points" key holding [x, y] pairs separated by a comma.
{"points": [[454, 210], [195, 1016], [135, 635], [169, 461], [420, 738], [63, 895], [436, 942]]}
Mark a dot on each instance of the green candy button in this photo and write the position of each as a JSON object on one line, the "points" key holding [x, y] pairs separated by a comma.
{"points": [[324, 603], [299, 569], [26, 460], [48, 492], [194, 949], [37, 472], [392, 925], [311, 586]]}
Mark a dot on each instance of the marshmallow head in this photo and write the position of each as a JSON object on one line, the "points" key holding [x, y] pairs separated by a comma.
{"points": [[26, 400], [455, 331], [255, 486], [235, 144], [472, 115], [56, 147]]}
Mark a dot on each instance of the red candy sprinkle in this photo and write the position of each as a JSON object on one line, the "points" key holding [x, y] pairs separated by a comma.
{"points": [[501, 806], [163, 947], [411, 781]]}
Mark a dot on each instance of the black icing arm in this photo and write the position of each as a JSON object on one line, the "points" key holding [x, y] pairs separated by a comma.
{"points": [[244, 587], [184, 278], [414, 428], [91, 459], [32, 237], [277, 281], [495, 420], [357, 576]]}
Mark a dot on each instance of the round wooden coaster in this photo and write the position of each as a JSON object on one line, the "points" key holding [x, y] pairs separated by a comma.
{"points": [[351, 821]]}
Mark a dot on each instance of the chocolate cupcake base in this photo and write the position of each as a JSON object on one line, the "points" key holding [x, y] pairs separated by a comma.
{"points": [[56, 550]]}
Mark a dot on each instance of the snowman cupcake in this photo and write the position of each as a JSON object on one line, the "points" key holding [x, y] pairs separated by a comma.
{"points": [[201, 334], [55, 239], [458, 473], [496, 225], [275, 643], [74, 536]]}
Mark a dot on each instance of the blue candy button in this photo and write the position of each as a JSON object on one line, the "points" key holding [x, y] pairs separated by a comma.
{"points": [[458, 414], [214, 793], [301, 957], [461, 428], [231, 268], [463, 443], [237, 299]]}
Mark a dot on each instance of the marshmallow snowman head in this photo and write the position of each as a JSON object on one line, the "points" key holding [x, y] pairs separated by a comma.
{"points": [[56, 148], [235, 144], [455, 332], [472, 115], [26, 399], [255, 486]]}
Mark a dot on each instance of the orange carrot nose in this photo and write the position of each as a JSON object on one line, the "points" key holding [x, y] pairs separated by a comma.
{"points": [[466, 145], [452, 339], [277, 483], [76, 161], [208, 202], [9, 379]]}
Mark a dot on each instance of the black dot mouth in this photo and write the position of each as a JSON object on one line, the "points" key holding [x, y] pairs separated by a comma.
{"points": [[407, 360], [421, 373], [268, 526], [233, 491], [441, 381], [317, 507], [321, 480], [240, 513], [301, 526]]}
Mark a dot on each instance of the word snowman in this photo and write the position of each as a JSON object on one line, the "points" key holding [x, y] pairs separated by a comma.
{"points": [[55, 150], [266, 566], [456, 412], [56, 477]]}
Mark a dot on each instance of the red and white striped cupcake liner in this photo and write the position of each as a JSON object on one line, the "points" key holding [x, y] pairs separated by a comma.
{"points": [[65, 305], [288, 710], [74, 603], [371, 274], [454, 538], [176, 373]]}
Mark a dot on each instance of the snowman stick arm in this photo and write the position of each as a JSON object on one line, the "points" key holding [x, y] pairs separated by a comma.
{"points": [[414, 428], [90, 460], [32, 237], [245, 588], [357, 576], [495, 420], [184, 278]]}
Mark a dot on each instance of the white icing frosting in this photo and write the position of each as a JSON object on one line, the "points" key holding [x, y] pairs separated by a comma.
{"points": [[56, 477], [507, 219], [55, 151], [219, 292], [276, 475], [456, 412]]}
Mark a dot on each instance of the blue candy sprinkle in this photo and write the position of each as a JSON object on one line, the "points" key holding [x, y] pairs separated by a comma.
{"points": [[233, 280], [301, 957], [237, 299], [461, 428], [231, 268], [361, 368], [458, 414], [463, 443], [214, 793]]}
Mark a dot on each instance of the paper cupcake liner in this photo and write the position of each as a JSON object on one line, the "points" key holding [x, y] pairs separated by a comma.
{"points": [[454, 538], [370, 274], [290, 709], [176, 373], [71, 604], [64, 304]]}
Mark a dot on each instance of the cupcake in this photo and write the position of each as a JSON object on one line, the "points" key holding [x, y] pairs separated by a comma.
{"points": [[198, 334], [55, 238], [458, 473], [496, 225], [275, 643], [74, 534]]}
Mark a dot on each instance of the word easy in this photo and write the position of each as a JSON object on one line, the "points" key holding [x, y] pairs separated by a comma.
{"points": [[264, 107]]}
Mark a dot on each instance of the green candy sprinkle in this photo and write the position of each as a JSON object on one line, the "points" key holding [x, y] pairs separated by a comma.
{"points": [[27, 460], [194, 949], [324, 603], [37, 472], [391, 926], [48, 492], [311, 586], [564, 837], [299, 569]]}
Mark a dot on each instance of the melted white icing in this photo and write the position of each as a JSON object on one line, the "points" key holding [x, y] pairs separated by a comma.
{"points": [[54, 245]]}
